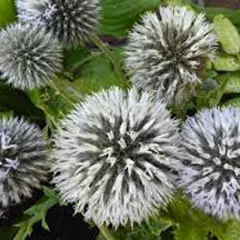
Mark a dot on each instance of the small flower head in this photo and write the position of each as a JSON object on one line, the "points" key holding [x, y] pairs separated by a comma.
{"points": [[168, 50], [23, 158], [210, 173], [71, 21], [29, 57], [114, 157]]}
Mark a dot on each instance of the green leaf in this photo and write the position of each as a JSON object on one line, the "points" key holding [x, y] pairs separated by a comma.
{"points": [[190, 232], [233, 15], [8, 12], [191, 223], [16, 101], [150, 230], [36, 214], [225, 62], [235, 102], [232, 231], [233, 82], [119, 16], [97, 74], [227, 33]]}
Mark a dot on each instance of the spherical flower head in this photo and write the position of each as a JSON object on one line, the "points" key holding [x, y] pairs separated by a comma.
{"points": [[210, 170], [114, 156], [23, 158], [70, 20], [29, 57], [168, 50]]}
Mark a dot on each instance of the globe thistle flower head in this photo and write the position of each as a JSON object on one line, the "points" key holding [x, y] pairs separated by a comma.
{"points": [[167, 51], [114, 155], [29, 57], [210, 170], [71, 21], [23, 158]]}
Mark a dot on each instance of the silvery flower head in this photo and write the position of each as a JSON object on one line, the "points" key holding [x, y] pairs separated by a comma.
{"points": [[23, 158], [70, 20], [168, 50], [210, 173], [29, 57], [114, 157]]}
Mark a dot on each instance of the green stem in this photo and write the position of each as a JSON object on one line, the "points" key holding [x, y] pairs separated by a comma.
{"points": [[62, 93], [108, 235], [66, 90], [108, 53]]}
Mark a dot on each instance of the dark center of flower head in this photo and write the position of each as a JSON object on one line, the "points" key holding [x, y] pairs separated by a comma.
{"points": [[8, 155], [123, 151]]}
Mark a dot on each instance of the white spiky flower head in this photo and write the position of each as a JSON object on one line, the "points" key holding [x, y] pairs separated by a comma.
{"points": [[210, 173], [114, 155], [167, 51], [70, 20], [23, 160], [29, 57]]}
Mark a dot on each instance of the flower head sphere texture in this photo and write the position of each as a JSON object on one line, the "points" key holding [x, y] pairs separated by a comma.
{"points": [[71, 21], [23, 160], [29, 57], [114, 157], [210, 171], [168, 50]]}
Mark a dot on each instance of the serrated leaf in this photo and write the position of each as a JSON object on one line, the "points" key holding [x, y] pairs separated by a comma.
{"points": [[228, 34], [37, 213], [8, 12], [225, 62], [119, 16]]}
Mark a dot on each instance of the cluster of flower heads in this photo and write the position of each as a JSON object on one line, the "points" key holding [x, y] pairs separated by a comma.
{"points": [[119, 156], [167, 52], [31, 51]]}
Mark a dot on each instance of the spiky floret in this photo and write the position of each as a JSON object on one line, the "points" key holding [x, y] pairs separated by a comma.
{"points": [[23, 158], [70, 20], [210, 173], [29, 57], [167, 51], [114, 155]]}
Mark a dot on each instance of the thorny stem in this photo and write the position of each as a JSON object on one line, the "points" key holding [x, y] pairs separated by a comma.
{"points": [[108, 235], [108, 53]]}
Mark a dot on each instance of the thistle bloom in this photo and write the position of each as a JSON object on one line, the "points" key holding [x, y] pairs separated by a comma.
{"points": [[70, 21], [23, 158], [210, 173], [168, 50], [29, 57], [114, 157]]}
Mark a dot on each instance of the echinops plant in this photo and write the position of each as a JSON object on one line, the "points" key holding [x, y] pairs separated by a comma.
{"points": [[126, 113]]}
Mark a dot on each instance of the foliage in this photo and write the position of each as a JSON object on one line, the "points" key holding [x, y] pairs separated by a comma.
{"points": [[37, 213]]}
